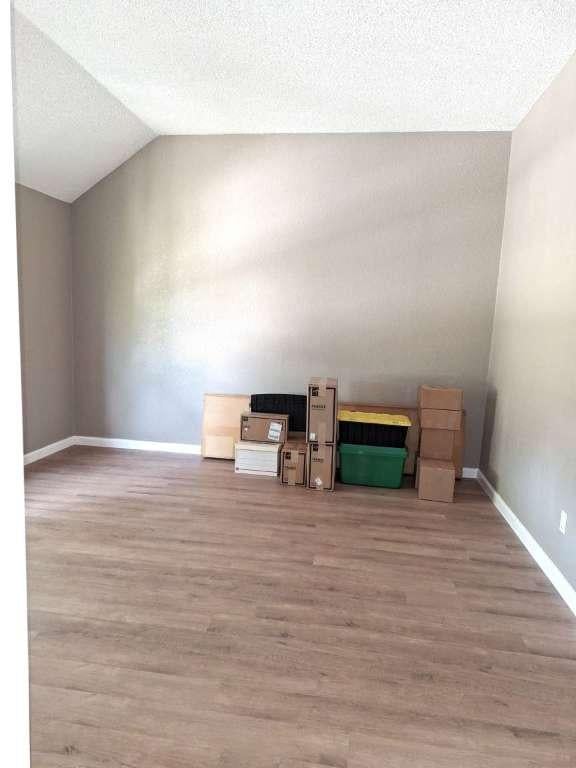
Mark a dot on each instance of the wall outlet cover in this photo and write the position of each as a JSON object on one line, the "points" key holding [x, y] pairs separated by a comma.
{"points": [[563, 521]]}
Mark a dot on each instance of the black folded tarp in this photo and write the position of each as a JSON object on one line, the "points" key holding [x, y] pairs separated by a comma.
{"points": [[293, 405]]}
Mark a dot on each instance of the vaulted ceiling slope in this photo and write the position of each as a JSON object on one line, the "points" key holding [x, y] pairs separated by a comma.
{"points": [[266, 66], [69, 130]]}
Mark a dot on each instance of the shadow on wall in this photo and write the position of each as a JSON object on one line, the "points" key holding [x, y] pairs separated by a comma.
{"points": [[488, 434]]}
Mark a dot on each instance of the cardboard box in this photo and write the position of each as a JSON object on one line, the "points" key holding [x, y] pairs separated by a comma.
{"points": [[322, 410], [321, 466], [459, 445], [293, 463], [432, 418], [437, 444], [413, 435], [435, 480], [264, 427], [440, 398], [221, 424], [257, 458]]}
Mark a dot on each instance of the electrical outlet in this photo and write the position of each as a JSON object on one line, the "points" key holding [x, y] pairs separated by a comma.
{"points": [[563, 521]]}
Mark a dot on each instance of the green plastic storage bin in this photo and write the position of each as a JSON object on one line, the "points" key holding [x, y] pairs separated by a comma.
{"points": [[372, 465]]}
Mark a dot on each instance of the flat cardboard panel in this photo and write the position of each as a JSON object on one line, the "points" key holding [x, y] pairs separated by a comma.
{"points": [[322, 409], [413, 435], [293, 464], [221, 424], [321, 466], [432, 418], [437, 444], [436, 480], [440, 398], [218, 446], [264, 427]]}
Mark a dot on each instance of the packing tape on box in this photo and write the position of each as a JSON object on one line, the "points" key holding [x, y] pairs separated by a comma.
{"points": [[322, 385], [291, 475], [322, 432]]}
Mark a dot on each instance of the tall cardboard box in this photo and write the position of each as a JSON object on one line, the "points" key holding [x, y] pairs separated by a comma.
{"points": [[221, 424], [435, 480], [322, 410], [264, 427], [293, 463], [321, 466]]}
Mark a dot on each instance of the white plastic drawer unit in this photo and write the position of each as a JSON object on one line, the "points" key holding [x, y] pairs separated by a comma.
{"points": [[257, 458]]}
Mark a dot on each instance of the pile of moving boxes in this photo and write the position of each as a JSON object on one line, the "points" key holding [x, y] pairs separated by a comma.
{"points": [[441, 430], [296, 438]]}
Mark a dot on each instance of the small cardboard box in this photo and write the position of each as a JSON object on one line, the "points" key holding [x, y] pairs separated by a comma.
{"points": [[433, 418], [440, 398], [322, 410], [437, 444], [293, 464], [257, 458], [321, 466], [435, 480], [264, 427]]}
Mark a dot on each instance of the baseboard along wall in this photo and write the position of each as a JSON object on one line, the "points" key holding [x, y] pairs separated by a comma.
{"points": [[553, 573]]}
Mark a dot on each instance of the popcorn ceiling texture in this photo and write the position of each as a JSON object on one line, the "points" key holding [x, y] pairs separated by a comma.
{"points": [[272, 66], [190, 66]]}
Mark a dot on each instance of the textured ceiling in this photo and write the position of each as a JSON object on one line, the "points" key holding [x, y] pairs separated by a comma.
{"points": [[258, 66], [69, 131]]}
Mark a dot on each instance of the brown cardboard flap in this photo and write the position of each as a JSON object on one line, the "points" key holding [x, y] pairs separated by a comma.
{"points": [[433, 418], [441, 398]]}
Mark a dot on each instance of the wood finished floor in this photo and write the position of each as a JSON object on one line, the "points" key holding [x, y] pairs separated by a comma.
{"points": [[185, 617]]}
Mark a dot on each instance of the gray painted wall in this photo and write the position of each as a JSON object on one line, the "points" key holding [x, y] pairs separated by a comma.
{"points": [[44, 256], [529, 448], [249, 263]]}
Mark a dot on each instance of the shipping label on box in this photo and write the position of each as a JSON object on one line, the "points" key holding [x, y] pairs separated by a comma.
{"points": [[321, 466], [321, 411], [264, 427]]}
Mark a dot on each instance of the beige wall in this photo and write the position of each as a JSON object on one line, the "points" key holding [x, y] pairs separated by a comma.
{"points": [[529, 450], [44, 255], [248, 263]]}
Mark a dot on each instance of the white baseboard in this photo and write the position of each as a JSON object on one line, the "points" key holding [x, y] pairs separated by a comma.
{"points": [[555, 576], [470, 472], [111, 442], [138, 445], [48, 450]]}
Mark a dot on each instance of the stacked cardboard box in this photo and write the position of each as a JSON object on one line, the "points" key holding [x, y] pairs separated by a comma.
{"points": [[262, 436], [321, 433], [441, 439]]}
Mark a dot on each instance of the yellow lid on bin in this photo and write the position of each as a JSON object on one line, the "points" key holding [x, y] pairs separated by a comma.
{"points": [[364, 417]]}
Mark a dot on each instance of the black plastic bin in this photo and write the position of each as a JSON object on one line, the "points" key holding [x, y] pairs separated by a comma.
{"points": [[381, 435], [293, 405]]}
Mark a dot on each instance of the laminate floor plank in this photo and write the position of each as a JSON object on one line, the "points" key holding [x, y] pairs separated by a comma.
{"points": [[185, 616]]}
